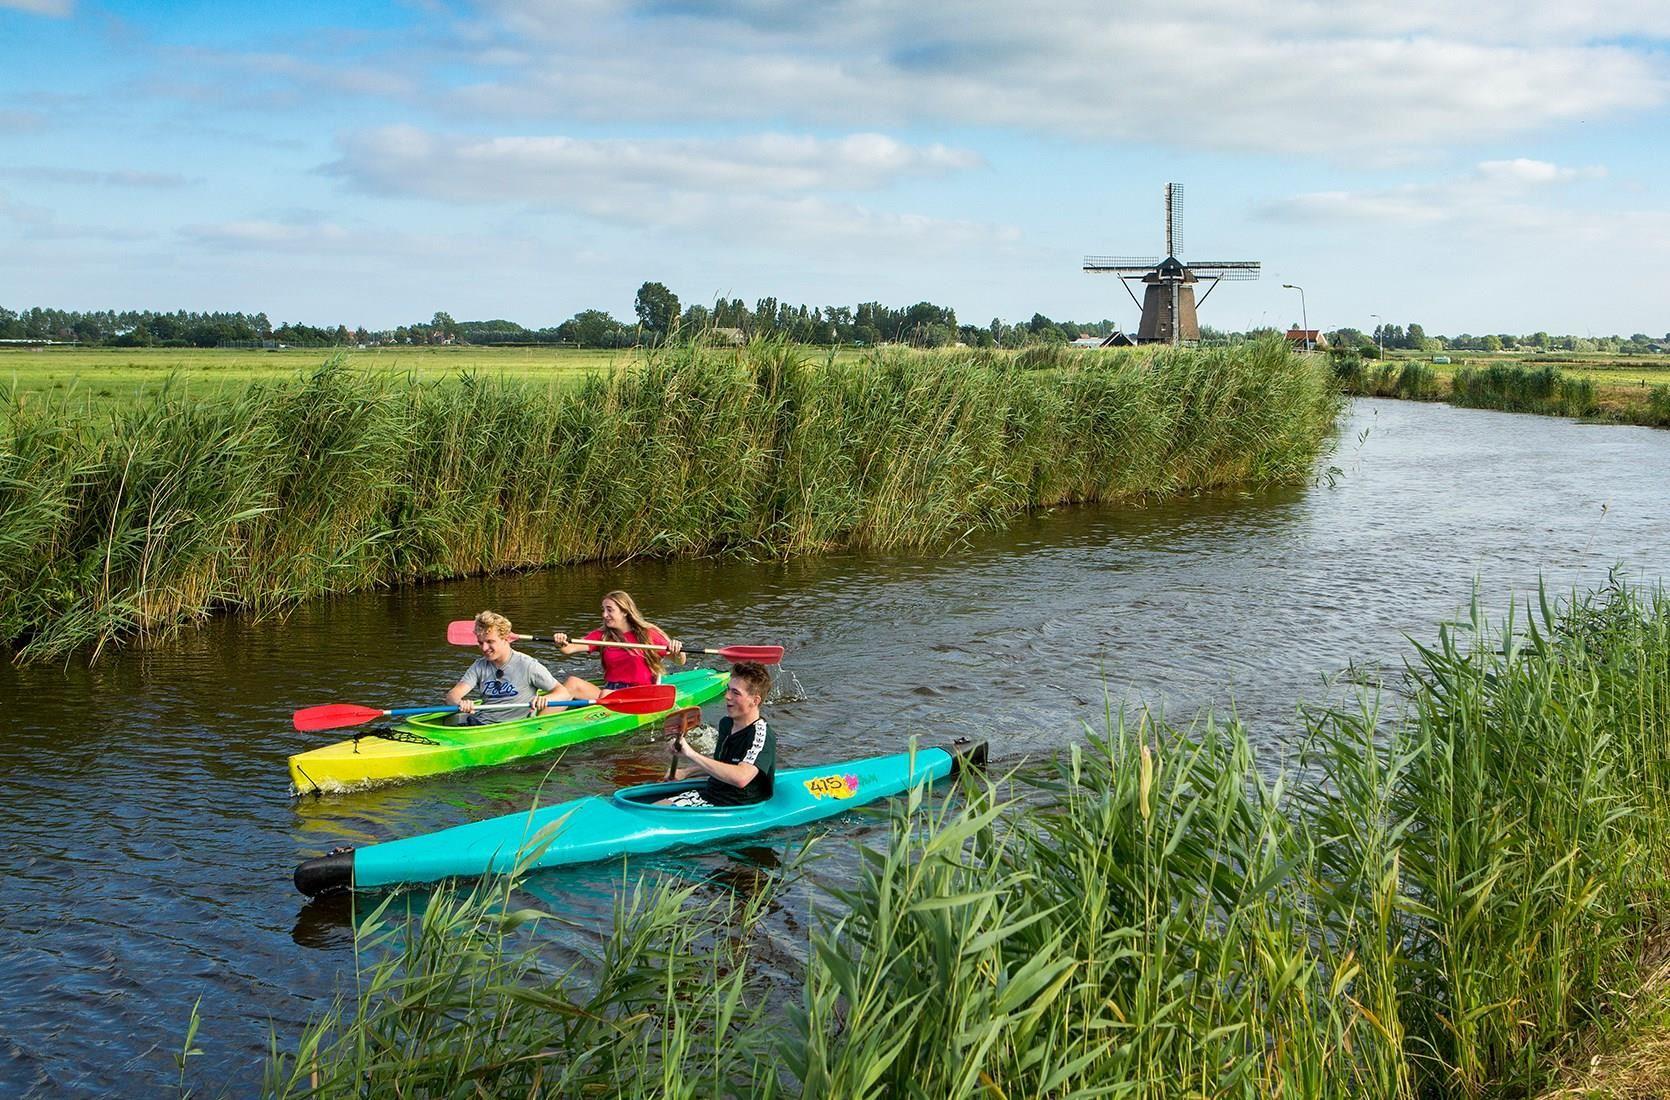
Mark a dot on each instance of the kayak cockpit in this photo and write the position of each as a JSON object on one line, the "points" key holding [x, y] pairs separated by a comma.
{"points": [[645, 796]]}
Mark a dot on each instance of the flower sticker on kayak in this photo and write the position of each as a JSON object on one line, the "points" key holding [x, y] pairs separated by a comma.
{"points": [[833, 786]]}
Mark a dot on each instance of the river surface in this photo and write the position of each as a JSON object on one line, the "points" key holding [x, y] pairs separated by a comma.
{"points": [[147, 834]]}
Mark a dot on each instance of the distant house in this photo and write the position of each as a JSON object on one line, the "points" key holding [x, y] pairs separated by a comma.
{"points": [[1306, 337], [733, 337], [1117, 340]]}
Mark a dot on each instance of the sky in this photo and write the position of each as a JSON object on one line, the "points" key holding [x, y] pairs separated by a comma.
{"points": [[1495, 166]]}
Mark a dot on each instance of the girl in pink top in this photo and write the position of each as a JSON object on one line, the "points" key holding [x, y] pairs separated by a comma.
{"points": [[622, 622]]}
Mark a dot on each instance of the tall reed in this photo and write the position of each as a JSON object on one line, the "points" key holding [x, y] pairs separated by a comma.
{"points": [[139, 519], [1439, 905]]}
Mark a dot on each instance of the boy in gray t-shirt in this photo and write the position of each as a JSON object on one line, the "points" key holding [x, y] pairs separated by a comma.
{"points": [[502, 675]]}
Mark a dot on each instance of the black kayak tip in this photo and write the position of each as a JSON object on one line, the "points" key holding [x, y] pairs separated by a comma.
{"points": [[967, 754], [326, 874]]}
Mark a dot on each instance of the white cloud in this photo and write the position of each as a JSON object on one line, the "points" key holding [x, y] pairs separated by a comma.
{"points": [[57, 8], [19, 122], [85, 177], [1493, 191], [583, 172], [268, 235], [1282, 77], [39, 223], [757, 187], [1527, 171]]}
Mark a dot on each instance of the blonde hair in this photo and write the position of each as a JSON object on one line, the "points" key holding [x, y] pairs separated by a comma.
{"points": [[639, 627], [489, 623]]}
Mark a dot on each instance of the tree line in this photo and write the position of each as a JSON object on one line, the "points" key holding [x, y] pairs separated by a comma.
{"points": [[1414, 338], [660, 317]]}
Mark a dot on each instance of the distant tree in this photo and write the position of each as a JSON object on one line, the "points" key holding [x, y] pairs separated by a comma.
{"points": [[657, 310], [593, 328], [1491, 343]]}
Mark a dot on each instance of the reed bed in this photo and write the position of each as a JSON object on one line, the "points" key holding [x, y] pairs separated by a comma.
{"points": [[1436, 903], [134, 520], [1508, 387], [1543, 389]]}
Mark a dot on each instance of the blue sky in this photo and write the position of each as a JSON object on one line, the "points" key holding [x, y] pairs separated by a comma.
{"points": [[1490, 167]]}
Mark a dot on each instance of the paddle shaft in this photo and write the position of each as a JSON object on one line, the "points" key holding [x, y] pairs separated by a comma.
{"points": [[401, 712], [768, 654], [462, 632]]}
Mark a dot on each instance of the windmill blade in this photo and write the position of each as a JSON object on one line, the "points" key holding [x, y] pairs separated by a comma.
{"points": [[1121, 263], [1174, 218], [1234, 271]]}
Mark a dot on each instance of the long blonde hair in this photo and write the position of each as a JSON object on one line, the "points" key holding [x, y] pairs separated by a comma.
{"points": [[640, 627]]}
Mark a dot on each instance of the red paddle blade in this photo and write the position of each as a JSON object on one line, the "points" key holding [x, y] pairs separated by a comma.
{"points": [[333, 716], [648, 699], [462, 632], [764, 654]]}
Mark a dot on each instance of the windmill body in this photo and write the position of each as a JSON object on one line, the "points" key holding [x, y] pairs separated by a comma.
{"points": [[1168, 298]]}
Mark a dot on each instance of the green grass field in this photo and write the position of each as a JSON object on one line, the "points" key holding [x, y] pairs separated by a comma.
{"points": [[114, 375], [1605, 369]]}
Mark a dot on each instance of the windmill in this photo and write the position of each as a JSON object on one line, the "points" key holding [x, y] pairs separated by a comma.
{"points": [[1168, 302]]}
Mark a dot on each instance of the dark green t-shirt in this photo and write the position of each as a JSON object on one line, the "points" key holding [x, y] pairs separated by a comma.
{"points": [[752, 744]]}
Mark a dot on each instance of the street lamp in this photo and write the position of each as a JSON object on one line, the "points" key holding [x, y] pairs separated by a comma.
{"points": [[1304, 318], [1378, 332]]}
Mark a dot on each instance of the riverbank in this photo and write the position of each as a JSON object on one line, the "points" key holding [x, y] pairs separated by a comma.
{"points": [[1446, 901], [138, 519], [1545, 388]]}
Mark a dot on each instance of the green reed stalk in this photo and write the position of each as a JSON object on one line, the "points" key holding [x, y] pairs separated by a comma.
{"points": [[137, 520]]}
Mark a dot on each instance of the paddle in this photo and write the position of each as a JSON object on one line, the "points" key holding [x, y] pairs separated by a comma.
{"points": [[462, 632], [677, 724], [648, 699]]}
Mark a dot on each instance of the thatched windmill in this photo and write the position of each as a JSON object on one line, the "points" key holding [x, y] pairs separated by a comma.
{"points": [[1168, 302]]}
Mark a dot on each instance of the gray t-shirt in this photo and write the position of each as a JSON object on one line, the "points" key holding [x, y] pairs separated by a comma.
{"points": [[515, 683]]}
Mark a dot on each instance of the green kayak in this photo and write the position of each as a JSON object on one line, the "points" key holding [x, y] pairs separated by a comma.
{"points": [[426, 745]]}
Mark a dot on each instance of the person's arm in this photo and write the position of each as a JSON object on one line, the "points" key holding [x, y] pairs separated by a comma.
{"points": [[737, 775], [455, 697], [675, 648], [570, 648], [545, 688]]}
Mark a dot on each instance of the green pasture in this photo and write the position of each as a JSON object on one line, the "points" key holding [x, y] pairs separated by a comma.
{"points": [[1606, 369], [103, 376]]}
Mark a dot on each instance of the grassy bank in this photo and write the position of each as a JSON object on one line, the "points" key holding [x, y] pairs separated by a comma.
{"points": [[159, 512], [108, 378], [1544, 388], [1447, 903]]}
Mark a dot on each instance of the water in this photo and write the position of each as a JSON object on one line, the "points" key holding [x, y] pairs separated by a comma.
{"points": [[148, 836]]}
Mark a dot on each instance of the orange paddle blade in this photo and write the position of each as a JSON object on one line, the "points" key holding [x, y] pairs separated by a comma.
{"points": [[333, 716]]}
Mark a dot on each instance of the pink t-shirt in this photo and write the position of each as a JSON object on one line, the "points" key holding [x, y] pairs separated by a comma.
{"points": [[626, 666]]}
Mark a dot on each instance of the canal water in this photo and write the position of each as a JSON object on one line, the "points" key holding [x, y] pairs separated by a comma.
{"points": [[147, 834]]}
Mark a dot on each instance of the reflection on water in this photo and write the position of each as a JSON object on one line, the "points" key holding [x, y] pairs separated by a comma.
{"points": [[149, 838]]}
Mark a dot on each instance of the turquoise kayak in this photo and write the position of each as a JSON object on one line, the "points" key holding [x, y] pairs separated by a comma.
{"points": [[627, 823]]}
